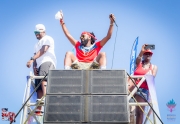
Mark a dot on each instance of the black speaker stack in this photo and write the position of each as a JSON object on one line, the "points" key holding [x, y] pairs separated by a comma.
{"points": [[87, 96]]}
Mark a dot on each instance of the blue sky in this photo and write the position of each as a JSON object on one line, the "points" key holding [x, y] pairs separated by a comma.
{"points": [[155, 22]]}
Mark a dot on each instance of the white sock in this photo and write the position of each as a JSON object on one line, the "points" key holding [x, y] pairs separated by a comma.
{"points": [[102, 67], [67, 67]]}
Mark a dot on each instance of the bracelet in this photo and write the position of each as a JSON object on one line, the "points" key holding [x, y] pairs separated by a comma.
{"points": [[139, 57], [62, 22], [32, 58], [111, 24]]}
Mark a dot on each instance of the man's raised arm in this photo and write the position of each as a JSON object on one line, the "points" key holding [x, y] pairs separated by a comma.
{"points": [[66, 32], [108, 36]]}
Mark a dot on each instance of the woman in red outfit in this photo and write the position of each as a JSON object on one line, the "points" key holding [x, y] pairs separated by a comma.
{"points": [[143, 66]]}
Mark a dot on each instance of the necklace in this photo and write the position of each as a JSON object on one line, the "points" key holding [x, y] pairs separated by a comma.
{"points": [[87, 50]]}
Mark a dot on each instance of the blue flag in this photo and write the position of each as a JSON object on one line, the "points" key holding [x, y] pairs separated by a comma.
{"points": [[133, 56]]}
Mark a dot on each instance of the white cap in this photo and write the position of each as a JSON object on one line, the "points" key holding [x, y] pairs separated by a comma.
{"points": [[40, 28]]}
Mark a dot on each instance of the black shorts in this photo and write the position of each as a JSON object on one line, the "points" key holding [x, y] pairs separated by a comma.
{"points": [[42, 71]]}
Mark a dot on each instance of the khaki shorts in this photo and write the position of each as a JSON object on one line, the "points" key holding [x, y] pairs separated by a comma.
{"points": [[84, 65]]}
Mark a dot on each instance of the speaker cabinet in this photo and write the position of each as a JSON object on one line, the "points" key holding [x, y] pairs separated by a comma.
{"points": [[87, 82], [86, 96]]}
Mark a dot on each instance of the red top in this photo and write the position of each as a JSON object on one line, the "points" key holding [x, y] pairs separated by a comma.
{"points": [[87, 54], [141, 71]]}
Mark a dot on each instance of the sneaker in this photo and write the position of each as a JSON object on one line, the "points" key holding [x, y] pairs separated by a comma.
{"points": [[41, 101], [38, 112], [94, 65], [75, 66]]}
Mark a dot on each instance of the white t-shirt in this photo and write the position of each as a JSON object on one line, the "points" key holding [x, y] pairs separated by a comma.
{"points": [[49, 55]]}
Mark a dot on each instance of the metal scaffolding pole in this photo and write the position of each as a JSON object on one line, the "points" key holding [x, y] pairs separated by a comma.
{"points": [[26, 97]]}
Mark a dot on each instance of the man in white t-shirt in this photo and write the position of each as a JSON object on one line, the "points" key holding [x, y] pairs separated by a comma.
{"points": [[44, 58]]}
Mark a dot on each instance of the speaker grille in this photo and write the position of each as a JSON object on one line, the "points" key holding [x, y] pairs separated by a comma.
{"points": [[63, 108], [86, 96], [99, 108], [87, 82], [108, 108], [109, 73], [65, 81]]}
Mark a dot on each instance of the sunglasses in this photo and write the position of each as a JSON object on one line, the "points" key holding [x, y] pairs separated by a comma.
{"points": [[147, 54], [36, 32]]}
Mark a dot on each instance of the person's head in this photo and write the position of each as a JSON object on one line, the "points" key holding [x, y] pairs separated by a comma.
{"points": [[39, 31], [87, 38], [147, 55]]}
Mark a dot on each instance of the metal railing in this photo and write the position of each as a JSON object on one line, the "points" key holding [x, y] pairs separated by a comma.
{"points": [[27, 110]]}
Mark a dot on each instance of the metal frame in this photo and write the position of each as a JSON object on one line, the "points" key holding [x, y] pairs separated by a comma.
{"points": [[27, 108], [141, 103]]}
